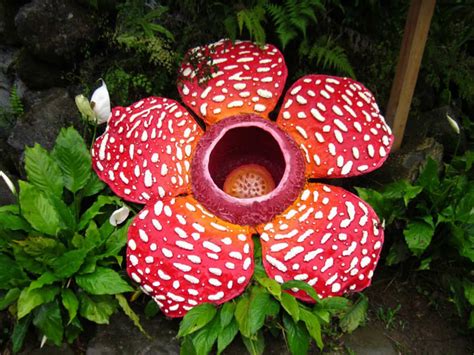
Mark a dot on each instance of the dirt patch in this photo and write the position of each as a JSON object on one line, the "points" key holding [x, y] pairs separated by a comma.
{"points": [[415, 317]]}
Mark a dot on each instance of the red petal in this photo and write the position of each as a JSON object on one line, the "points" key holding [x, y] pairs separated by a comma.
{"points": [[224, 79], [329, 238], [146, 149], [337, 124], [184, 256]]}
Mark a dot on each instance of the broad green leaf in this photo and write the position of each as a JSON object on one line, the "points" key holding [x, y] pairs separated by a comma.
{"points": [[103, 281], [227, 313], [42, 171], [355, 316], [226, 335], [187, 346], [73, 330], [251, 311], [73, 158], [93, 186], [297, 336], [70, 302], [291, 306], [48, 320], [41, 249], [151, 309], [19, 333], [334, 305], [44, 280], [469, 291], [313, 326], [27, 262], [93, 238], [122, 301], [12, 222], [254, 345], [470, 323], [69, 263], [271, 285], [11, 275], [94, 210], [196, 318], [418, 234], [463, 240], [10, 297], [30, 299], [97, 309], [402, 189], [429, 178], [204, 338], [39, 210], [303, 286]]}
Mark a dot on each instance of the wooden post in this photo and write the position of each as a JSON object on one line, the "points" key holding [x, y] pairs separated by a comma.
{"points": [[411, 53]]}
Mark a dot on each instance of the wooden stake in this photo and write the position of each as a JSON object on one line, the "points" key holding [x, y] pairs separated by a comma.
{"points": [[414, 39]]}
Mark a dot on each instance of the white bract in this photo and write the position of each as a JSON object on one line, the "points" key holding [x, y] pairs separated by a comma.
{"points": [[118, 216], [453, 124], [98, 109], [9, 183]]}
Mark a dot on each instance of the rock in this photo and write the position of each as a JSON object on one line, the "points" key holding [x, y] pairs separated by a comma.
{"points": [[8, 10], [405, 163], [38, 75], [53, 110], [122, 337], [56, 31], [439, 127], [368, 340]]}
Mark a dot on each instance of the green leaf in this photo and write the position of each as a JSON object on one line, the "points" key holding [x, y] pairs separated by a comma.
{"points": [[151, 309], [94, 210], [271, 285], [402, 189], [93, 186], [97, 309], [226, 335], [122, 301], [418, 234], [11, 275], [204, 339], [303, 286], [254, 345], [469, 291], [355, 316], [291, 306], [19, 333], [10, 297], [70, 302], [196, 318], [69, 263], [42, 171], [313, 326], [227, 313], [31, 298], [12, 222], [429, 178], [297, 336], [39, 210], [73, 330], [73, 159], [103, 281], [250, 312], [48, 320], [42, 248], [334, 305]]}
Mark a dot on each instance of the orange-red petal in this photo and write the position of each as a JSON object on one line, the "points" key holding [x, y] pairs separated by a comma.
{"points": [[146, 150], [183, 256], [337, 124], [224, 79], [329, 238]]}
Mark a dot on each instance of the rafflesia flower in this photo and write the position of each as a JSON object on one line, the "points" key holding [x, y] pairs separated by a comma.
{"points": [[207, 192]]}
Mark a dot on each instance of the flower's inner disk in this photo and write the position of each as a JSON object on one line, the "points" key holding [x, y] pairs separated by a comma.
{"points": [[247, 162]]}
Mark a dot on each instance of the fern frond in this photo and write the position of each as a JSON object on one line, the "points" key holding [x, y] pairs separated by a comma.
{"points": [[252, 20], [330, 56]]}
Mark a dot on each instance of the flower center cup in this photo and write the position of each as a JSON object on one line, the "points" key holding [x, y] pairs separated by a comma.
{"points": [[246, 170]]}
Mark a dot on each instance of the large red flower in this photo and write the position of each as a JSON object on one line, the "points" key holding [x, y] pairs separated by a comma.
{"points": [[206, 193]]}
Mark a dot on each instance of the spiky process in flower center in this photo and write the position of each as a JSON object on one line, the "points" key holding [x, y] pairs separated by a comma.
{"points": [[246, 170], [247, 181]]}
